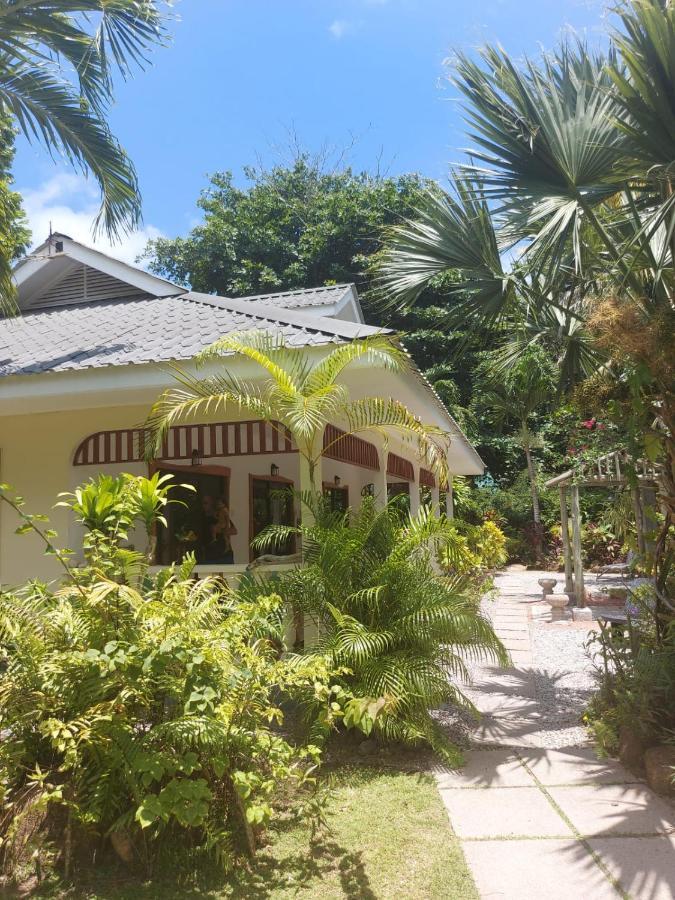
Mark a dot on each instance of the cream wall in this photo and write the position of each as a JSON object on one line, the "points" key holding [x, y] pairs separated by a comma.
{"points": [[37, 455]]}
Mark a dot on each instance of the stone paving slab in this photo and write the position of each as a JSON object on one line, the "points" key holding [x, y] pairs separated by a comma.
{"points": [[502, 812], [486, 769], [576, 766], [643, 866], [614, 809], [514, 643], [536, 870]]}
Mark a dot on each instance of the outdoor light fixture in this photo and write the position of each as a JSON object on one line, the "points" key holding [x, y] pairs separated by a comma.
{"points": [[336, 480], [368, 490], [274, 470], [196, 458]]}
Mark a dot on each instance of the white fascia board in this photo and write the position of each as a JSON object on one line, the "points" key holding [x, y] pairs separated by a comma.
{"points": [[144, 281]]}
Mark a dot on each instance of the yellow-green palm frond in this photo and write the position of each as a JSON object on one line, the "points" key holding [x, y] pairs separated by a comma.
{"points": [[201, 396], [268, 350], [384, 414], [379, 350]]}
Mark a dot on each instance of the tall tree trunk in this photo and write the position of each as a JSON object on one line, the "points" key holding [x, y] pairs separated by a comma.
{"points": [[536, 508]]}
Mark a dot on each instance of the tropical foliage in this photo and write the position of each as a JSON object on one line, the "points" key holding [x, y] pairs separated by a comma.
{"points": [[570, 180], [636, 674], [304, 224], [299, 394], [142, 710], [57, 65], [403, 634], [472, 549], [14, 235]]}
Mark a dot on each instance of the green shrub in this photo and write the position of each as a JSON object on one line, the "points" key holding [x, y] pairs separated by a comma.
{"points": [[636, 673], [143, 708], [468, 548], [402, 632], [488, 542]]}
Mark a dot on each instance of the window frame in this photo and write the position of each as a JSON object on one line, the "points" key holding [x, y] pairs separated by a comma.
{"points": [[275, 479], [174, 469]]}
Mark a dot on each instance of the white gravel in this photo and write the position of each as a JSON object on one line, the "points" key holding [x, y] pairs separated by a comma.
{"points": [[538, 705], [563, 682]]}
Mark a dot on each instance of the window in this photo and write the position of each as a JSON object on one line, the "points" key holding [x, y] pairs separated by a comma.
{"points": [[200, 522], [338, 497], [271, 504]]}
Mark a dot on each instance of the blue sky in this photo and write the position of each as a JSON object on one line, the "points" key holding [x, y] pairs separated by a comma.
{"points": [[240, 75]]}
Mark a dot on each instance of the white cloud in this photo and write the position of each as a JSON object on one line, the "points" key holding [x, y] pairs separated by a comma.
{"points": [[339, 28], [70, 202]]}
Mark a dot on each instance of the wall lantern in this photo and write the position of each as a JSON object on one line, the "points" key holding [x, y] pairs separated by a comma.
{"points": [[196, 458], [274, 470], [336, 481], [368, 490]]}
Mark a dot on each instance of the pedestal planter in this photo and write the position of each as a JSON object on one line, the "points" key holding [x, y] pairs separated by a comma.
{"points": [[558, 602], [547, 585]]}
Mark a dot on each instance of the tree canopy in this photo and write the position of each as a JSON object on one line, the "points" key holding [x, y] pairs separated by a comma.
{"points": [[294, 226]]}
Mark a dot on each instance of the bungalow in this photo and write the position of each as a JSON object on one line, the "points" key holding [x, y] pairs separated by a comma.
{"points": [[93, 348]]}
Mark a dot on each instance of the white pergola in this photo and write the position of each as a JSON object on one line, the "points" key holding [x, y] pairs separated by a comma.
{"points": [[615, 469]]}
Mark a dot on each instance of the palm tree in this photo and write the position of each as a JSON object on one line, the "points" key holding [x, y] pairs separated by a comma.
{"points": [[400, 635], [299, 394], [40, 45], [524, 391], [571, 177]]}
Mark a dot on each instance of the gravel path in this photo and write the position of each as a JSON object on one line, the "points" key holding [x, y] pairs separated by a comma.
{"points": [[538, 702]]}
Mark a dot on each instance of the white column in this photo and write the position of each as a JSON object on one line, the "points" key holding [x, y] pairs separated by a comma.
{"points": [[565, 534], [449, 500], [576, 547], [435, 500], [380, 478], [414, 488]]}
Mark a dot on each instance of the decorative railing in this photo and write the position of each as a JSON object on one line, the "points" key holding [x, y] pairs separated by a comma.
{"points": [[427, 478], [348, 448]]}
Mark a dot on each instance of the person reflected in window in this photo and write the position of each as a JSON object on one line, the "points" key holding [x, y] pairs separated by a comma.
{"points": [[219, 549]]}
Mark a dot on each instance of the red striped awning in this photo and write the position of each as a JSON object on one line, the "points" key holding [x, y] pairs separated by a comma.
{"points": [[400, 467], [427, 478], [213, 440], [348, 448]]}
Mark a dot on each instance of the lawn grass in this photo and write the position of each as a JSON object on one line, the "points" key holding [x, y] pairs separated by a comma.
{"points": [[389, 838]]}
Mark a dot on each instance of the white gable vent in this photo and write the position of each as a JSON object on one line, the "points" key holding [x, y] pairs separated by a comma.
{"points": [[84, 285]]}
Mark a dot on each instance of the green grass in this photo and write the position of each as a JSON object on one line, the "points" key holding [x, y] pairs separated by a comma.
{"points": [[389, 838]]}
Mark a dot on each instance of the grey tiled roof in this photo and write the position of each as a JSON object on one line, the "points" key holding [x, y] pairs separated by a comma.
{"points": [[320, 296], [127, 332]]}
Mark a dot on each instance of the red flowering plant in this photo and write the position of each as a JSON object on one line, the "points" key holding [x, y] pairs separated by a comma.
{"points": [[589, 439]]}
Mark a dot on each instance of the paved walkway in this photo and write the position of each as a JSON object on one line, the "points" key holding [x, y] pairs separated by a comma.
{"points": [[542, 824]]}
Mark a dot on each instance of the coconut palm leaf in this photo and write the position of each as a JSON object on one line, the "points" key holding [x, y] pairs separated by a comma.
{"points": [[301, 395], [57, 62]]}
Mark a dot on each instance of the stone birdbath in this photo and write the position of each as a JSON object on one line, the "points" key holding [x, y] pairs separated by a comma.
{"points": [[557, 602], [547, 586]]}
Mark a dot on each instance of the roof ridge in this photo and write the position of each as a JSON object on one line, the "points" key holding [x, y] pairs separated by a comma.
{"points": [[305, 290], [338, 327]]}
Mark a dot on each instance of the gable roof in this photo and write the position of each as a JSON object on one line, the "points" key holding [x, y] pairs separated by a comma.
{"points": [[150, 330], [63, 271]]}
